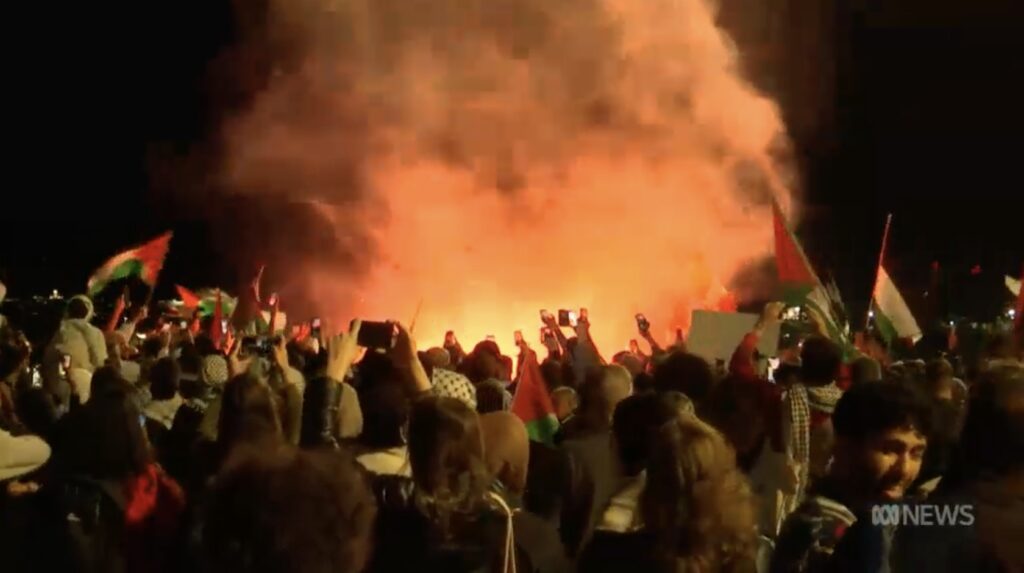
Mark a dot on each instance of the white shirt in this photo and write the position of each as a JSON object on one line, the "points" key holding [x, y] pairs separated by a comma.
{"points": [[392, 461]]}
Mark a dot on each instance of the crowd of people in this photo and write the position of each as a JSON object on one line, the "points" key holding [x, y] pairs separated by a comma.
{"points": [[146, 444]]}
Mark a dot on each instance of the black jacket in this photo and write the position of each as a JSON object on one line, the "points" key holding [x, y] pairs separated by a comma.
{"points": [[616, 552], [407, 540], [320, 405], [594, 479]]}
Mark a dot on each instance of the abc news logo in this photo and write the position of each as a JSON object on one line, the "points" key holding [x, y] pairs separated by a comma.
{"points": [[923, 515]]}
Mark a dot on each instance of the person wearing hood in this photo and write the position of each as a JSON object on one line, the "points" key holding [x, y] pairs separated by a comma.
{"points": [[86, 346], [507, 456], [21, 455]]}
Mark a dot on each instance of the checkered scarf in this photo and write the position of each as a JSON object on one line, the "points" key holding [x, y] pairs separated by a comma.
{"points": [[798, 427], [824, 398], [453, 385]]}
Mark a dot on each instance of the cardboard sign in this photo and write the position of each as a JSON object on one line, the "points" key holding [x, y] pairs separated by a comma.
{"points": [[715, 335]]}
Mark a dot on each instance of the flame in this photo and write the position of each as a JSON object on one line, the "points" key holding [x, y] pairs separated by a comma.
{"points": [[492, 159]]}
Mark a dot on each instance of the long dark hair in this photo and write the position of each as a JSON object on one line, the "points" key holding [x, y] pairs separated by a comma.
{"points": [[446, 452], [108, 441], [248, 414]]}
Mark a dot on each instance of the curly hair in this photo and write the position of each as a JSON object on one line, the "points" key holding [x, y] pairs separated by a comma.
{"points": [[446, 452], [696, 503], [287, 510]]}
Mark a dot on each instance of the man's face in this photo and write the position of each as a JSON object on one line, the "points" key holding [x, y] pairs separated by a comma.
{"points": [[884, 466]]}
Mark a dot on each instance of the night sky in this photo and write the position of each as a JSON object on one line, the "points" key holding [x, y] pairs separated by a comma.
{"points": [[927, 124]]}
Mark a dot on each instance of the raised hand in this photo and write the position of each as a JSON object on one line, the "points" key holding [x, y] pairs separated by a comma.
{"points": [[549, 320], [236, 364], [341, 352], [771, 314], [280, 353], [405, 355]]}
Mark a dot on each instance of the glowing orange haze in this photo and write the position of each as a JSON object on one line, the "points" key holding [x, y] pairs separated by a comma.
{"points": [[617, 131]]}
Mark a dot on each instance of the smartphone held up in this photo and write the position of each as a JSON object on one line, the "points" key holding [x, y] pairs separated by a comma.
{"points": [[567, 318], [378, 335], [642, 324], [259, 345]]}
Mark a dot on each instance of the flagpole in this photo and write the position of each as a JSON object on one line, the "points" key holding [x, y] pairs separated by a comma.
{"points": [[415, 316], [878, 269]]}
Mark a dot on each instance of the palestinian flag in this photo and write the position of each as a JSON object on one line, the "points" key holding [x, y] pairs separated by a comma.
{"points": [[189, 300], [532, 403], [217, 331], [247, 315], [144, 261], [800, 285], [892, 315]]}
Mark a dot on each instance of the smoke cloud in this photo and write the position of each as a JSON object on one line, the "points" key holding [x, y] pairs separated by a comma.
{"points": [[489, 158]]}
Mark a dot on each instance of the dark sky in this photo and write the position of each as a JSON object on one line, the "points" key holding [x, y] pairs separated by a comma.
{"points": [[927, 124]]}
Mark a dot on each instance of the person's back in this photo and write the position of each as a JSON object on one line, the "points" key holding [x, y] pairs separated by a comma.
{"points": [[685, 506], [508, 456], [443, 519], [283, 510], [78, 338], [409, 540], [820, 363], [126, 510], [594, 476]]}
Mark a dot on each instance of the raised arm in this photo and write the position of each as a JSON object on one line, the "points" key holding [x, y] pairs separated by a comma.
{"points": [[115, 316], [742, 362], [549, 320], [644, 328], [405, 356]]}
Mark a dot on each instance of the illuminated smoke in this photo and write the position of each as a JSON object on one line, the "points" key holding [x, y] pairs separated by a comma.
{"points": [[494, 157]]}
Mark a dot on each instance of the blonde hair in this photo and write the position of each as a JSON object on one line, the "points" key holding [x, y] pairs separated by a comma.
{"points": [[696, 502]]}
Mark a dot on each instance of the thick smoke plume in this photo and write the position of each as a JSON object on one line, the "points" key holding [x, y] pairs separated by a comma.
{"points": [[490, 158]]}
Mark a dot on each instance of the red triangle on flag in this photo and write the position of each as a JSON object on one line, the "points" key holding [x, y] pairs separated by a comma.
{"points": [[189, 299], [217, 326], [789, 257]]}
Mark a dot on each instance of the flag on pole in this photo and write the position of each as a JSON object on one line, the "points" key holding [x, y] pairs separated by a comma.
{"points": [[189, 299], [796, 276], [533, 404], [800, 285], [217, 326], [247, 315], [144, 261], [892, 315]]}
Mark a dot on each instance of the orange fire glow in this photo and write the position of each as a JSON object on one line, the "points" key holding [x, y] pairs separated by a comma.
{"points": [[516, 155]]}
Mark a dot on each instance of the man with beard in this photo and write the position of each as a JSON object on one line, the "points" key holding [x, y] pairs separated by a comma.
{"points": [[880, 440]]}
